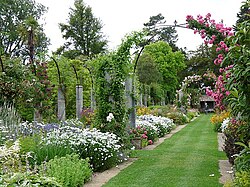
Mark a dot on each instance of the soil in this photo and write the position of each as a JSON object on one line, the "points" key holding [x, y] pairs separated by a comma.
{"points": [[100, 178]]}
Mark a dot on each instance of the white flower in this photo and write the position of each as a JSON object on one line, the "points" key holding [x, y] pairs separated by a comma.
{"points": [[225, 124], [110, 117]]}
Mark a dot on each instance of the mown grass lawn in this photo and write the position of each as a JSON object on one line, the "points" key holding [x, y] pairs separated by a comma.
{"points": [[187, 159]]}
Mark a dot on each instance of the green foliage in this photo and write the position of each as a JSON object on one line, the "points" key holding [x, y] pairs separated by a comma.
{"points": [[83, 30], [69, 170], [238, 83], [28, 179], [68, 82], [235, 132], [168, 63], [146, 66], [242, 162], [242, 179], [243, 15], [25, 90], [111, 72], [9, 121], [16, 17], [40, 152], [10, 159], [200, 61], [178, 118]]}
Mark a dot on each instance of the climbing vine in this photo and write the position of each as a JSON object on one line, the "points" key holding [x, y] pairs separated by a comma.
{"points": [[111, 71]]}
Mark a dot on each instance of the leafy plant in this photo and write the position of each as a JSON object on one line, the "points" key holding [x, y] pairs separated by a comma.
{"points": [[234, 133], [9, 123], [242, 162], [242, 179], [42, 152], [69, 170], [28, 179]]}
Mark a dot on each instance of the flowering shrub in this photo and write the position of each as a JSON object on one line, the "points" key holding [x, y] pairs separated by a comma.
{"points": [[101, 148], [142, 111], [140, 133], [225, 124], [217, 120], [187, 95], [155, 126]]}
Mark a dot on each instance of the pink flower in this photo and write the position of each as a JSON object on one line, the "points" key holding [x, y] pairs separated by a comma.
{"points": [[208, 16], [189, 17], [221, 70], [150, 142], [218, 49], [233, 121], [227, 93], [211, 41]]}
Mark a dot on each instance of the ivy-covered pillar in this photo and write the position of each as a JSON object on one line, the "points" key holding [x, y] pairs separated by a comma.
{"points": [[130, 101]]}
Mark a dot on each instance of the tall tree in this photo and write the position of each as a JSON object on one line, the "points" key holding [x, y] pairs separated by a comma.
{"points": [[169, 63], [161, 33], [83, 31], [17, 18]]}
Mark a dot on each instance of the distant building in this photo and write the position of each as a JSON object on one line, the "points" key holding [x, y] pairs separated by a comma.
{"points": [[207, 103]]}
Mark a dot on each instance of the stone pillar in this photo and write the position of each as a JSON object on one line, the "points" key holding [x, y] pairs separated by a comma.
{"points": [[130, 101], [180, 95], [61, 105], [79, 101]]}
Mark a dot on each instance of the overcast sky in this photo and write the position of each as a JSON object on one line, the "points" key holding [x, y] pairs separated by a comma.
{"points": [[120, 17]]}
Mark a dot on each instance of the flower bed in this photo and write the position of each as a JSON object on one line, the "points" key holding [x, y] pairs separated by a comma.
{"points": [[151, 128], [37, 144]]}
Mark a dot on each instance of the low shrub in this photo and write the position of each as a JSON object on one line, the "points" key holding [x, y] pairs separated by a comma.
{"points": [[42, 152], [242, 179], [69, 170], [101, 148], [28, 179], [242, 161], [10, 158], [178, 118], [9, 121], [235, 132], [162, 130]]}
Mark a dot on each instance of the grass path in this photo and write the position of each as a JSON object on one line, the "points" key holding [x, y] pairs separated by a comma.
{"points": [[187, 159]]}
